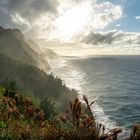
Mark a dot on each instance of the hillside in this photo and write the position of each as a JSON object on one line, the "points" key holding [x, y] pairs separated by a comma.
{"points": [[43, 54], [34, 82], [26, 63], [13, 44], [42, 50]]}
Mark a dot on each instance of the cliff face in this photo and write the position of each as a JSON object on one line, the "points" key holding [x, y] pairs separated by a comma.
{"points": [[13, 44]]}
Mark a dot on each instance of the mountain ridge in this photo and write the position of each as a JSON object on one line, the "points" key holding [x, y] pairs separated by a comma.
{"points": [[14, 44]]}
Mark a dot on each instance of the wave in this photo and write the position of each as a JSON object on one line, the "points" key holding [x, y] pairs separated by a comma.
{"points": [[73, 77]]}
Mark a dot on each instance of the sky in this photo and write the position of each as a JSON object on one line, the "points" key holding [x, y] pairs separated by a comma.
{"points": [[131, 10], [93, 22]]}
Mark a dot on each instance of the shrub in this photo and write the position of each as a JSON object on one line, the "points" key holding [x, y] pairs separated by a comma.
{"points": [[48, 107], [135, 133], [21, 119], [82, 126], [10, 88]]}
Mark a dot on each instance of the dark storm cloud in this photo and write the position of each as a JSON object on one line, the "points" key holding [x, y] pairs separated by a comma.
{"points": [[31, 8], [45, 5], [99, 38], [28, 9], [4, 17], [112, 37]]}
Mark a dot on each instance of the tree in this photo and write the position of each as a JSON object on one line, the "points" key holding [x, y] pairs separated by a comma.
{"points": [[48, 107], [10, 88]]}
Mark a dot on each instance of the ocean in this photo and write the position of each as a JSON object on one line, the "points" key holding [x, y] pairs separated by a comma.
{"points": [[113, 80]]}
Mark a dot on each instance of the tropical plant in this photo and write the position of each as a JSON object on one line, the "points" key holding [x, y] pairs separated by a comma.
{"points": [[48, 107], [82, 126]]}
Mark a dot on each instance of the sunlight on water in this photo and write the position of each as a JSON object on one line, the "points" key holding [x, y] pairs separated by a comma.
{"points": [[113, 80], [73, 77], [84, 50]]}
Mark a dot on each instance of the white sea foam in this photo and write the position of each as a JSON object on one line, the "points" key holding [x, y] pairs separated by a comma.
{"points": [[74, 78]]}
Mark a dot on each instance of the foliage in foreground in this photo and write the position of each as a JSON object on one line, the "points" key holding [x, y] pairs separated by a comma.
{"points": [[21, 119]]}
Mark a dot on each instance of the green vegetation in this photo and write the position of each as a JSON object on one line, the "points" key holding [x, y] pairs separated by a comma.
{"points": [[48, 108], [25, 63], [34, 82], [21, 118]]}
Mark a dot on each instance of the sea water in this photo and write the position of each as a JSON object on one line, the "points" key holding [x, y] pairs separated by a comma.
{"points": [[113, 80]]}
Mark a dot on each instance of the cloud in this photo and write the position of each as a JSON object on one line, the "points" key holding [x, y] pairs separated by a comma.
{"points": [[83, 14], [30, 8], [20, 21], [25, 14], [5, 17], [137, 17], [112, 37], [38, 18], [118, 25], [105, 13]]}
